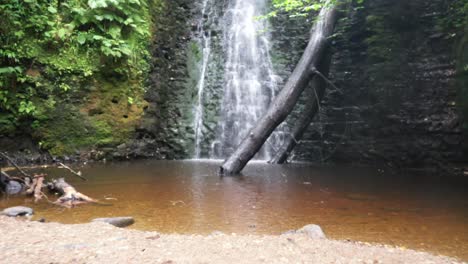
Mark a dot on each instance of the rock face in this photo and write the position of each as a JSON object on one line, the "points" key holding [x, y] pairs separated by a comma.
{"points": [[167, 129], [398, 100], [116, 221], [392, 62], [17, 211]]}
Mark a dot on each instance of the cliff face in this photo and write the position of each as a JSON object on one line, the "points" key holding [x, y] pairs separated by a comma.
{"points": [[394, 64], [402, 77], [166, 130], [160, 133], [399, 102]]}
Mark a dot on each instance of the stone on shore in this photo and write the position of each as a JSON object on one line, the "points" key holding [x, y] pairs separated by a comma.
{"points": [[17, 211], [116, 221], [312, 231]]}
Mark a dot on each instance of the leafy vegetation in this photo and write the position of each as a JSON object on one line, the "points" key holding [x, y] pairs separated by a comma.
{"points": [[301, 7], [53, 52], [456, 17]]}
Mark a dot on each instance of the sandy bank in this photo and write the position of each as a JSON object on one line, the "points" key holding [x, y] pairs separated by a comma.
{"points": [[33, 242]]}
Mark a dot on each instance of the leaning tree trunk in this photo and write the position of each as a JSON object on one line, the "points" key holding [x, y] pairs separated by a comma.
{"points": [[289, 95], [317, 91]]}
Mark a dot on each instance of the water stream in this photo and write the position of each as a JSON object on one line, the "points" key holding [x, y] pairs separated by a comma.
{"points": [[203, 38]]}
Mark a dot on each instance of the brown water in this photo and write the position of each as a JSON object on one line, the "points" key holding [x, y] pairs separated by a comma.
{"points": [[413, 211]]}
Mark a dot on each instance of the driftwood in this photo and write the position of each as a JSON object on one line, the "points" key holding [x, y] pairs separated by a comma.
{"points": [[289, 95], [34, 184], [70, 196], [36, 187], [30, 190]]}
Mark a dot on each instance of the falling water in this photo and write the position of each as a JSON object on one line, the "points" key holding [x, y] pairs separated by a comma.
{"points": [[203, 38], [250, 82]]}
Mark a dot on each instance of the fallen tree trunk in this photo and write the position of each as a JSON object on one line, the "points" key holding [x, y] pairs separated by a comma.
{"points": [[317, 86], [289, 95], [70, 196]]}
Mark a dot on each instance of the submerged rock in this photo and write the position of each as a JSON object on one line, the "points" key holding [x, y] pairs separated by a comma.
{"points": [[17, 211], [312, 231], [116, 221], [13, 187]]}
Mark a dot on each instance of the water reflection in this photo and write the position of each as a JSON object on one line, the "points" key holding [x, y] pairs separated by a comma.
{"points": [[415, 211]]}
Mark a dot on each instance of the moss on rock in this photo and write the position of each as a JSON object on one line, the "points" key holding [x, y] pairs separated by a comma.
{"points": [[105, 117]]}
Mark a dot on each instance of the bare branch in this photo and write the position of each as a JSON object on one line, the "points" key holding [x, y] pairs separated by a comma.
{"points": [[16, 166], [78, 174]]}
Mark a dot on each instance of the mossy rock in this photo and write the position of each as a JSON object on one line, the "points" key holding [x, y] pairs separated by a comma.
{"points": [[103, 118]]}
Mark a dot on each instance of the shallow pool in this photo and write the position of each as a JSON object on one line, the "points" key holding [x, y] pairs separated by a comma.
{"points": [[415, 210]]}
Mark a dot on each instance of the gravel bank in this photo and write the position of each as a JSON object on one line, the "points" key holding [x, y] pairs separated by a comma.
{"points": [[33, 242]]}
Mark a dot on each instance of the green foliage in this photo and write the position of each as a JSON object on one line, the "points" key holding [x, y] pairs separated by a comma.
{"points": [[302, 7], [50, 51], [455, 18]]}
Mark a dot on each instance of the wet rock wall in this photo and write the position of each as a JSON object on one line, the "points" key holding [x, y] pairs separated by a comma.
{"points": [[398, 105]]}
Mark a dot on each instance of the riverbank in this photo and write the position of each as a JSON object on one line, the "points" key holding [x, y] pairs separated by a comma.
{"points": [[26, 242]]}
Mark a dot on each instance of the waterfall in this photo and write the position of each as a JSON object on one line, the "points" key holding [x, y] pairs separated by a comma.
{"points": [[203, 38], [249, 80]]}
